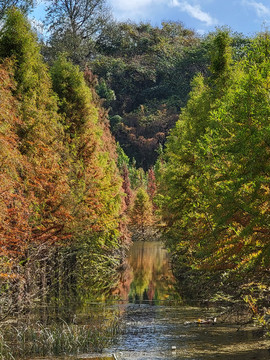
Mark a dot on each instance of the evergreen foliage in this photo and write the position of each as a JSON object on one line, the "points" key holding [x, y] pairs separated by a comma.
{"points": [[142, 212], [213, 187]]}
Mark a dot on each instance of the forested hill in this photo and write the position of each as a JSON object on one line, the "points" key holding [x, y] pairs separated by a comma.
{"points": [[144, 75], [149, 70], [141, 72]]}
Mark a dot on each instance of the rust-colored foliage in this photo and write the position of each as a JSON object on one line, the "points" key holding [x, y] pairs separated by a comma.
{"points": [[14, 206], [39, 134], [126, 186], [141, 134], [151, 185]]}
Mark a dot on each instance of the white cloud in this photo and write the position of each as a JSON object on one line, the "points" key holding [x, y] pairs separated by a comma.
{"points": [[124, 9], [195, 12], [201, 31], [37, 25], [136, 9], [260, 8]]}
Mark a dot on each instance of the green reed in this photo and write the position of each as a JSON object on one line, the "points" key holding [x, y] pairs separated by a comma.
{"points": [[58, 338]]}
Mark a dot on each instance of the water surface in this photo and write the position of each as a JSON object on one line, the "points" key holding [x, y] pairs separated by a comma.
{"points": [[148, 277], [157, 326]]}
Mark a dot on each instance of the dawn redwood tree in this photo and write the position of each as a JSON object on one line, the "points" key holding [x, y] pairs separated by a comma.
{"points": [[239, 163], [93, 175], [185, 188], [14, 206], [39, 135], [40, 132], [215, 186], [141, 215], [94, 180], [37, 215]]}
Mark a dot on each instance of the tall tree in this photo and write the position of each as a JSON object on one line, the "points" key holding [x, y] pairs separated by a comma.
{"points": [[142, 212], [239, 162], [39, 210], [14, 206], [94, 180], [74, 25], [39, 131], [23, 5], [184, 206], [215, 186]]}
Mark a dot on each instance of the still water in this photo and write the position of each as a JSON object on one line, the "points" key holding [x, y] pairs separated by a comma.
{"points": [[156, 326], [148, 278]]}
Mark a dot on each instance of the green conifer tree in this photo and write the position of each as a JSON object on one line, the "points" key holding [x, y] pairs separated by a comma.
{"points": [[142, 212]]}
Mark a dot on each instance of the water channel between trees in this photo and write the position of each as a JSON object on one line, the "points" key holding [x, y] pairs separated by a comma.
{"points": [[157, 326]]}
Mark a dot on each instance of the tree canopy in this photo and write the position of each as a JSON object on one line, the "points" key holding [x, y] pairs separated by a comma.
{"points": [[74, 27], [213, 189], [60, 189], [23, 5]]}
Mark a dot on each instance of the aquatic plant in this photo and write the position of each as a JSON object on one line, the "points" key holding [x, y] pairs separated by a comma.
{"points": [[5, 352], [24, 340]]}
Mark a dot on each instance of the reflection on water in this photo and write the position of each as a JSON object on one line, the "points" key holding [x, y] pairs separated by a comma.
{"points": [[152, 332], [154, 325], [148, 277]]}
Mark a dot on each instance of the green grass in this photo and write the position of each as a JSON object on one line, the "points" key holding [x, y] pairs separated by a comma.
{"points": [[56, 339]]}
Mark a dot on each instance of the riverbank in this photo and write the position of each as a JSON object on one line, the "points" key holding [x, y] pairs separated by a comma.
{"points": [[145, 319], [244, 296]]}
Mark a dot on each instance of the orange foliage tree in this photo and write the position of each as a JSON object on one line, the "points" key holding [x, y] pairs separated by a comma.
{"points": [[60, 188], [14, 206]]}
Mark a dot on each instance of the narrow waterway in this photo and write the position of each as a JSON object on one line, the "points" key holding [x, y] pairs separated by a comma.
{"points": [[157, 326]]}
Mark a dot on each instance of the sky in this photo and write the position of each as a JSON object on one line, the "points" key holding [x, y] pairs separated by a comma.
{"points": [[244, 16]]}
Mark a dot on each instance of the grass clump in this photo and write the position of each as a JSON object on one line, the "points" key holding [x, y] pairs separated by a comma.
{"points": [[38, 339]]}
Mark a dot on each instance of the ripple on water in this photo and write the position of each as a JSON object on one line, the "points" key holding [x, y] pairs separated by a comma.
{"points": [[152, 331]]}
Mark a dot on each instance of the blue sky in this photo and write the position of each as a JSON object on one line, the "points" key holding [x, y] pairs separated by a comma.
{"points": [[246, 16]]}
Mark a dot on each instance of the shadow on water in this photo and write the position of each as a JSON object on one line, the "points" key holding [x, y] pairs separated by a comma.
{"points": [[157, 326]]}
